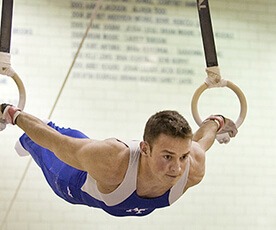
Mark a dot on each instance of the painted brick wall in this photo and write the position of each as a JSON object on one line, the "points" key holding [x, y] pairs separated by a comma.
{"points": [[106, 95]]}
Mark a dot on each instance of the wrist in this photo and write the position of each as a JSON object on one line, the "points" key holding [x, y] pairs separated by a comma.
{"points": [[15, 115], [218, 119], [10, 113]]}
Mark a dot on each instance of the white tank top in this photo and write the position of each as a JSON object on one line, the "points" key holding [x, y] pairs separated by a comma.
{"points": [[128, 185]]}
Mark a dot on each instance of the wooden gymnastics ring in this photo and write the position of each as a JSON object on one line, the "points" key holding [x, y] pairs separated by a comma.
{"points": [[22, 97], [233, 87], [20, 87], [21, 90], [5, 45]]}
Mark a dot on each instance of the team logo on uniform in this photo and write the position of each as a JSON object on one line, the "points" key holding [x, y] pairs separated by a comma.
{"points": [[137, 211], [69, 192]]}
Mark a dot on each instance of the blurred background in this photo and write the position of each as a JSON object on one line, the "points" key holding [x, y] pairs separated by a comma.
{"points": [[141, 57]]}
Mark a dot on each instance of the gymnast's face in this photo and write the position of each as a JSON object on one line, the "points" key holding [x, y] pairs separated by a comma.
{"points": [[168, 158]]}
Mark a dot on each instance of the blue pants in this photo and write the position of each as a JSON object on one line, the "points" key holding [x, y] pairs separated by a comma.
{"points": [[67, 181], [58, 174]]}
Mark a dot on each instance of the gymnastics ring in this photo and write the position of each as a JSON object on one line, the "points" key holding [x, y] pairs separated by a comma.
{"points": [[21, 90], [22, 97], [233, 87]]}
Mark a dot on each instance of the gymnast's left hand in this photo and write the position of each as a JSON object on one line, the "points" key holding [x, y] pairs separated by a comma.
{"points": [[229, 130]]}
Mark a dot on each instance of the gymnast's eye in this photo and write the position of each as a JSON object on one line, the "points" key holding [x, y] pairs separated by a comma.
{"points": [[184, 157], [168, 157]]}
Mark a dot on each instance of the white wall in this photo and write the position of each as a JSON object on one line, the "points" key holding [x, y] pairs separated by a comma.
{"points": [[239, 189]]}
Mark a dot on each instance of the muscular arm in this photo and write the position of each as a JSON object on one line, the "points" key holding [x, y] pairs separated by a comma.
{"points": [[203, 139], [101, 159], [206, 134]]}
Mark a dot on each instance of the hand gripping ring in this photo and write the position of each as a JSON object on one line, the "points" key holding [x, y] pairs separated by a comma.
{"points": [[233, 87]]}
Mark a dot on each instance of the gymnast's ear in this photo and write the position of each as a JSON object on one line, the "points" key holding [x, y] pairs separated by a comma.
{"points": [[145, 148]]}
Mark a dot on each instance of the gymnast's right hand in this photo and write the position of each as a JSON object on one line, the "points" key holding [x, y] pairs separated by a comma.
{"points": [[8, 114]]}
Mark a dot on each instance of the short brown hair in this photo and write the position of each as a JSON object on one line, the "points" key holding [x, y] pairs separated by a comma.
{"points": [[168, 122]]}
